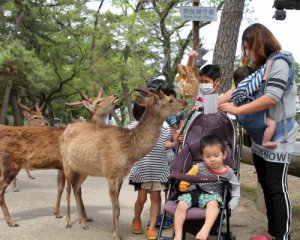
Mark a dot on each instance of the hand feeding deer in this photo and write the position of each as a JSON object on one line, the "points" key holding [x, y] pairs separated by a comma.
{"points": [[111, 151], [34, 118], [38, 148]]}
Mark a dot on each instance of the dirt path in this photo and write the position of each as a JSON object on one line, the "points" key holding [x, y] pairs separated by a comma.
{"points": [[32, 208]]}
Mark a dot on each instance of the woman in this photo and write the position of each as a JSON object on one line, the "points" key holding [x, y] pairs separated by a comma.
{"points": [[279, 102]]}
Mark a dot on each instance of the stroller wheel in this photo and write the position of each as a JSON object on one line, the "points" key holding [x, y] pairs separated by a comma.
{"points": [[229, 238]]}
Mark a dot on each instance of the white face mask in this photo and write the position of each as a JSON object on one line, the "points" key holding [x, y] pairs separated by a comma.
{"points": [[207, 88]]}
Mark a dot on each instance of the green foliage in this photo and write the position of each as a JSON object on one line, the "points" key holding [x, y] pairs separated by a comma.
{"points": [[23, 66]]}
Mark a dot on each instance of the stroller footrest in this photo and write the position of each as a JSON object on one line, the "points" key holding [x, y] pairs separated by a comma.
{"points": [[165, 238]]}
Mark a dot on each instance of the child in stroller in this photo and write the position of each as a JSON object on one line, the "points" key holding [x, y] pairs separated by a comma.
{"points": [[212, 149], [195, 129]]}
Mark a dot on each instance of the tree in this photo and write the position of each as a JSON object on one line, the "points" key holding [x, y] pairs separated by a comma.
{"points": [[225, 48]]}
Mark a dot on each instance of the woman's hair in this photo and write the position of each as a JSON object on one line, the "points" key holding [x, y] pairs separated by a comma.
{"points": [[211, 140], [240, 74], [261, 42]]}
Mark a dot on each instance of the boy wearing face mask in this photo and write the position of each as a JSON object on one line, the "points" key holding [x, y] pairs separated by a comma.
{"points": [[209, 79]]}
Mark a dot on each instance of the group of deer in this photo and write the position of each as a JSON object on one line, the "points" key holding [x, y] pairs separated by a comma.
{"points": [[85, 148]]}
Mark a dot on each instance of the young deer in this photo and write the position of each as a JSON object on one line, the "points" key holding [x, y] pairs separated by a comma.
{"points": [[110, 151], [36, 148], [34, 118]]}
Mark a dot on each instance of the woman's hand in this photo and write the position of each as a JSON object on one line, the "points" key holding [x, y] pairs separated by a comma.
{"points": [[229, 108]]}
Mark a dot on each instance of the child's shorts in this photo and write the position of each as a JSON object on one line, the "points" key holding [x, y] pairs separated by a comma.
{"points": [[203, 199], [153, 186]]}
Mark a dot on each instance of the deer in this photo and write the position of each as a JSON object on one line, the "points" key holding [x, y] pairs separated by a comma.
{"points": [[38, 148], [34, 118], [110, 151]]}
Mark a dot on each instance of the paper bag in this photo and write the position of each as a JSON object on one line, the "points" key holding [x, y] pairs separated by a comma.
{"points": [[188, 80]]}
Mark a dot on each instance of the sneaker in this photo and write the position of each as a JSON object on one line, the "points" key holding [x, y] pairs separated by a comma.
{"points": [[136, 226], [151, 234], [263, 236], [168, 222]]}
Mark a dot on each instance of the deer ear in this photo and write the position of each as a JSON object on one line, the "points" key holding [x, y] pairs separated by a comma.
{"points": [[88, 106], [156, 100], [140, 100], [26, 114]]}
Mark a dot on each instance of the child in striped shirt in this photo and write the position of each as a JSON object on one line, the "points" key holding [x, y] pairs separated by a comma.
{"points": [[212, 149]]}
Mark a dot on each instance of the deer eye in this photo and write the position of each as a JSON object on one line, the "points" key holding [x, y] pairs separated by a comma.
{"points": [[98, 102], [171, 100], [35, 117]]}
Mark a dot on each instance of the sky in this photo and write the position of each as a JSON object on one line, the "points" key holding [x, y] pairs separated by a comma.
{"points": [[285, 31]]}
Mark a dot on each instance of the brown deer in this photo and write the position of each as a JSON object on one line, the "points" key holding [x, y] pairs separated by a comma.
{"points": [[37, 148], [110, 151], [34, 118]]}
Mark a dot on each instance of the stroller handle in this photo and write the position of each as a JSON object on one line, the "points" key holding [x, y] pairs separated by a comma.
{"points": [[193, 178]]}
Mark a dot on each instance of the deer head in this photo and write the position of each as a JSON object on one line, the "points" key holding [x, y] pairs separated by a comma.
{"points": [[35, 118], [99, 107], [162, 105]]}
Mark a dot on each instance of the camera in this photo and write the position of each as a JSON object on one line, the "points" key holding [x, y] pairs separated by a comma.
{"points": [[280, 15]]}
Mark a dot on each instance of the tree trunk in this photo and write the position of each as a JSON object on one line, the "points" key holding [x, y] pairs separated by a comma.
{"points": [[18, 115], [5, 100], [225, 48], [50, 114]]}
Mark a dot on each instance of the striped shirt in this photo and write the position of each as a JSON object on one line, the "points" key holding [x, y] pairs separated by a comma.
{"points": [[216, 187], [154, 166]]}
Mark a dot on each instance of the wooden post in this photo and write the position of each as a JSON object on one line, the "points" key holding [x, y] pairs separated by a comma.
{"points": [[195, 30]]}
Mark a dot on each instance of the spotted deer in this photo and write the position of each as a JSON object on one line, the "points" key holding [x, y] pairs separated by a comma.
{"points": [[111, 151]]}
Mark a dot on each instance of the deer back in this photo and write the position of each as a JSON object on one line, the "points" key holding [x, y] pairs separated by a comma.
{"points": [[35, 147]]}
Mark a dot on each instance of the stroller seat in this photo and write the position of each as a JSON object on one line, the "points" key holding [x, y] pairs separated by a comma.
{"points": [[202, 125]]}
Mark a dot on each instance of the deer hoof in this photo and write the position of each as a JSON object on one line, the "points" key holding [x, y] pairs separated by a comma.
{"points": [[13, 224], [31, 177], [57, 215], [68, 226], [89, 220], [85, 227], [16, 190]]}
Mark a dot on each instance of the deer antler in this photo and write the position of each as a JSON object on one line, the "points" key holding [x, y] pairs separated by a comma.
{"points": [[24, 107], [83, 97], [100, 93], [157, 90], [40, 109]]}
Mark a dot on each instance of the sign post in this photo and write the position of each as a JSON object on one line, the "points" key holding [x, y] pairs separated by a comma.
{"points": [[197, 13], [195, 31]]}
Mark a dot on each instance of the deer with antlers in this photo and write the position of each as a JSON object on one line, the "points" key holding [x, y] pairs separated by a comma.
{"points": [[38, 148], [110, 151], [34, 118]]}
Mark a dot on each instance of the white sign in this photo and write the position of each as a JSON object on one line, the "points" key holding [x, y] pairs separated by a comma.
{"points": [[195, 13]]}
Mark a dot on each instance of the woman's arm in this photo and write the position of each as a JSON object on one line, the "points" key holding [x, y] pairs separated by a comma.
{"points": [[257, 105], [226, 97]]}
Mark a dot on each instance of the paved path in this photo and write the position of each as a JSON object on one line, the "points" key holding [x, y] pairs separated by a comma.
{"points": [[32, 208]]}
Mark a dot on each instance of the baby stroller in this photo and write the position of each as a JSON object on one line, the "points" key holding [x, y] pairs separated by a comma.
{"points": [[195, 128]]}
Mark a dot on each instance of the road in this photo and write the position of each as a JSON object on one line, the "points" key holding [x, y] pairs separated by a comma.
{"points": [[32, 208]]}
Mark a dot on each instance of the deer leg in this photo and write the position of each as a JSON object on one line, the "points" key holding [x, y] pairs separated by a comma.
{"points": [[114, 186], [76, 185], [60, 188], [8, 172], [5, 211], [14, 185], [83, 209], [29, 174], [68, 194]]}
